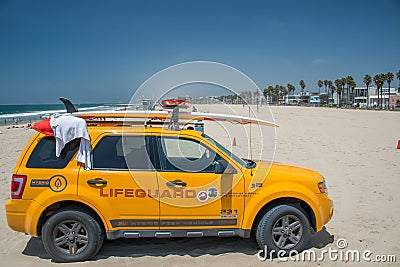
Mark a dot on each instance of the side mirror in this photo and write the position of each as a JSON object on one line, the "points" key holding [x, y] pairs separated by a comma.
{"points": [[218, 168]]}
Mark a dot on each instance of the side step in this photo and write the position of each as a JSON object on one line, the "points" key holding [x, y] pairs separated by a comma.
{"points": [[177, 233]]}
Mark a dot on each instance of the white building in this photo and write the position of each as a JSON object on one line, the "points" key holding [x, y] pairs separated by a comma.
{"points": [[292, 99], [370, 98]]}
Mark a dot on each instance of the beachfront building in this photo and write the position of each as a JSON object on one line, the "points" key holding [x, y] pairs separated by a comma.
{"points": [[370, 99], [310, 99], [314, 101], [394, 101], [146, 104], [296, 99], [292, 99], [306, 99]]}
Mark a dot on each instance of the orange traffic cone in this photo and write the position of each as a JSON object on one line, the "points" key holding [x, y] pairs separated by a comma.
{"points": [[234, 141], [398, 144]]}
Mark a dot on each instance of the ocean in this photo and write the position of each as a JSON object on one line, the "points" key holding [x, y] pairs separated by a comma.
{"points": [[18, 114]]}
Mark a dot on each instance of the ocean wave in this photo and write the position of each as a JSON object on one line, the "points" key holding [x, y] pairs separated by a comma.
{"points": [[48, 112]]}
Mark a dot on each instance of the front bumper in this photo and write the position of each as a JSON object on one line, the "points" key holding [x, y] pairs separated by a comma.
{"points": [[325, 211]]}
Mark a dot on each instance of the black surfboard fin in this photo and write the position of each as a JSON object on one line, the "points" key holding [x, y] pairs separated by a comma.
{"points": [[68, 105]]}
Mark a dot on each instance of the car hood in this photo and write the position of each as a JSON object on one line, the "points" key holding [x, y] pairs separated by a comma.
{"points": [[280, 171]]}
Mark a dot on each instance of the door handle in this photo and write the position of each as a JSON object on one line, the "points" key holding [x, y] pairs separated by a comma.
{"points": [[176, 183], [96, 182]]}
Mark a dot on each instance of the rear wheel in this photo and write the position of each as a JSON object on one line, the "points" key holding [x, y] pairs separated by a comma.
{"points": [[284, 228], [72, 235]]}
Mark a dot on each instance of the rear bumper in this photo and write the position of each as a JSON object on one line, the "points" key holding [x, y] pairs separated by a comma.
{"points": [[23, 215]]}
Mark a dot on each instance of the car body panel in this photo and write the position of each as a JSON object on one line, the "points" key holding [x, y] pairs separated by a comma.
{"points": [[129, 202]]}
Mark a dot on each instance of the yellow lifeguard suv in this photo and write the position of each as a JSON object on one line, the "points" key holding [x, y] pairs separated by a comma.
{"points": [[160, 182]]}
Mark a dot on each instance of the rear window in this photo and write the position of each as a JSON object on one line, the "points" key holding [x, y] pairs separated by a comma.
{"points": [[44, 154]]}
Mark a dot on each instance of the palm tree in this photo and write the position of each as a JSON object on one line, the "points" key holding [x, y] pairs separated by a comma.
{"points": [[319, 86], [242, 96], [343, 84], [275, 92], [291, 87], [348, 81], [378, 83], [249, 98], [367, 80], [265, 93], [352, 87], [339, 91], [333, 89], [383, 79], [339, 87], [329, 86], [389, 79], [398, 77], [302, 85], [326, 84], [268, 92], [256, 94], [283, 92]]}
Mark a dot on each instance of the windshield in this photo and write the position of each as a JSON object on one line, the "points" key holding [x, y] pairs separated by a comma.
{"points": [[229, 153]]}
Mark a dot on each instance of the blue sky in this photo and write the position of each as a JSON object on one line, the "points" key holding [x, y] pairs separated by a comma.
{"points": [[101, 51]]}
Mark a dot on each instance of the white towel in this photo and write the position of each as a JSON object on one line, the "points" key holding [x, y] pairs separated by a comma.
{"points": [[66, 128]]}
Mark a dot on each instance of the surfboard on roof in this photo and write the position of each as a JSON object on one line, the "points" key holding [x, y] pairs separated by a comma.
{"points": [[163, 115]]}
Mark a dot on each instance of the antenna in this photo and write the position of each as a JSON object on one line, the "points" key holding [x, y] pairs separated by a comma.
{"points": [[251, 149]]}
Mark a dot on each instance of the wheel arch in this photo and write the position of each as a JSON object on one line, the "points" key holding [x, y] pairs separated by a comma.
{"points": [[285, 200], [50, 210]]}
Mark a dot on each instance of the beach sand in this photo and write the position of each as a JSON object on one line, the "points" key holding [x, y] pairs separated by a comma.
{"points": [[354, 149]]}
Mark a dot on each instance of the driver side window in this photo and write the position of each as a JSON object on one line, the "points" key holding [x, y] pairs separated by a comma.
{"points": [[186, 155]]}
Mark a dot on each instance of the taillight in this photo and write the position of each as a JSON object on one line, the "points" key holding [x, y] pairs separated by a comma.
{"points": [[17, 186]]}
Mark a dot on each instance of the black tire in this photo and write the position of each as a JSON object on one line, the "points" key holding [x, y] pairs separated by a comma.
{"points": [[284, 228], [71, 235]]}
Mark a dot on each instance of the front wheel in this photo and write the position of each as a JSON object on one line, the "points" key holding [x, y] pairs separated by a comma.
{"points": [[284, 228], [72, 235]]}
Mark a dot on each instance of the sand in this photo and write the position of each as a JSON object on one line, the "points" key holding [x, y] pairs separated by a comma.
{"points": [[354, 149]]}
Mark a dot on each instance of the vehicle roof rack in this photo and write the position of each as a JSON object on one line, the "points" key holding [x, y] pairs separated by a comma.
{"points": [[158, 117]]}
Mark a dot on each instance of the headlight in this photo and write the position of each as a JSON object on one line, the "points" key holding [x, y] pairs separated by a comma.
{"points": [[322, 187]]}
